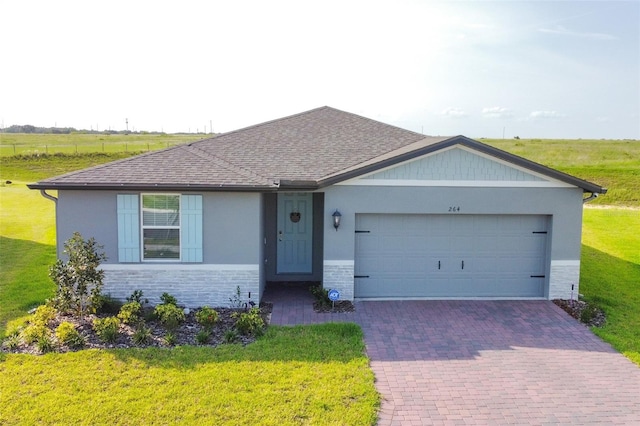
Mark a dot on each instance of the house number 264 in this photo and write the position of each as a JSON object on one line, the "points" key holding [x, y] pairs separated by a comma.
{"points": [[453, 209]]}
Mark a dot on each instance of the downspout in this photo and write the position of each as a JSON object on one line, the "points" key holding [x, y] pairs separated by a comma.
{"points": [[43, 192], [593, 196]]}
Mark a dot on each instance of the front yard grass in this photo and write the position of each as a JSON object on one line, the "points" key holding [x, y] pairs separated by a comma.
{"points": [[293, 375], [610, 274]]}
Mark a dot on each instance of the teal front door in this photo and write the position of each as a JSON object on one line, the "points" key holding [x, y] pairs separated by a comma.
{"points": [[295, 233]]}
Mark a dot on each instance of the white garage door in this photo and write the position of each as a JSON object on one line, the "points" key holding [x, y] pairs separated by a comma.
{"points": [[450, 256]]}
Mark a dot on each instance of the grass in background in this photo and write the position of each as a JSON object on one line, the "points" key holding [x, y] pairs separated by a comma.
{"points": [[38, 143], [610, 274], [613, 164], [27, 239], [293, 375]]}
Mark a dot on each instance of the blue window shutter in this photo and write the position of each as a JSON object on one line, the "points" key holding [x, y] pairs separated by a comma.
{"points": [[128, 228], [191, 228]]}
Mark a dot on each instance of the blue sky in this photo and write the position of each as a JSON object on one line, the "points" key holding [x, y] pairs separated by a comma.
{"points": [[543, 69]]}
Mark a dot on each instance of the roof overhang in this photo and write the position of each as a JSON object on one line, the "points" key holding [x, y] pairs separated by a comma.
{"points": [[152, 187], [430, 146]]}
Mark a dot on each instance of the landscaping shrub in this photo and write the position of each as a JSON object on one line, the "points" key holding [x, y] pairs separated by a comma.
{"points": [[107, 328], [168, 299], [170, 338], [78, 280], [45, 343], [168, 312], [250, 322], [169, 315], [43, 314], [321, 295], [202, 337], [141, 336], [230, 336], [130, 313], [207, 317], [69, 336]]}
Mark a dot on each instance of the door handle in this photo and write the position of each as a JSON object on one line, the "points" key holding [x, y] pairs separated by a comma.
{"points": [[438, 264], [463, 264], [279, 235]]}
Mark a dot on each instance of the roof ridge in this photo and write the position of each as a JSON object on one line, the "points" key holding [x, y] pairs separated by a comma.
{"points": [[286, 117], [227, 164]]}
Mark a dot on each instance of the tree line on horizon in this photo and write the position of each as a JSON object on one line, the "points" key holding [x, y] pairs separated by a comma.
{"points": [[28, 128]]}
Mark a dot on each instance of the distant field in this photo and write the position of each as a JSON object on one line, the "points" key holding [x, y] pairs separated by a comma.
{"points": [[32, 143], [613, 164]]}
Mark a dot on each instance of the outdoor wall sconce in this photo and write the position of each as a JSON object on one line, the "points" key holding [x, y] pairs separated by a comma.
{"points": [[336, 219]]}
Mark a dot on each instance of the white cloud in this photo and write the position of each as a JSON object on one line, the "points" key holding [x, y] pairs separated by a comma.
{"points": [[497, 112], [454, 112], [535, 115], [560, 30], [603, 119]]}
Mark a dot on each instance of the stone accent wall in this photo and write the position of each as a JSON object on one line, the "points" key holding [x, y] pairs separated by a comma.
{"points": [[564, 273], [192, 285], [338, 275]]}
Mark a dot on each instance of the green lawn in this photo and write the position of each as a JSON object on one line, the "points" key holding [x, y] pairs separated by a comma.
{"points": [[613, 164], [292, 375], [610, 274], [31, 143]]}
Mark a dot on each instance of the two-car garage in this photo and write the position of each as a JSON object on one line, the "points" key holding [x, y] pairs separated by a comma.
{"points": [[449, 256]]}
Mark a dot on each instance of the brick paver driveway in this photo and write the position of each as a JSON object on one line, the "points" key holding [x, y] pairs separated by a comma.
{"points": [[494, 362]]}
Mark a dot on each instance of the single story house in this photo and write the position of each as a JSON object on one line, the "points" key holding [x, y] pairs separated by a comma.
{"points": [[371, 210]]}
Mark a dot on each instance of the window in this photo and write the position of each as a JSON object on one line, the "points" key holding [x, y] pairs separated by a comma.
{"points": [[157, 227], [161, 227]]}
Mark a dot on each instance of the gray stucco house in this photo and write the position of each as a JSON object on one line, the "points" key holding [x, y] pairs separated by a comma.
{"points": [[419, 217]]}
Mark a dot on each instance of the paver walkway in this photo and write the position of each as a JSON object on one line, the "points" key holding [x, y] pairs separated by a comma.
{"points": [[483, 362]]}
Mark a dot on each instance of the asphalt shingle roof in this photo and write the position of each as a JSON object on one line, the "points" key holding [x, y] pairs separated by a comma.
{"points": [[314, 148]]}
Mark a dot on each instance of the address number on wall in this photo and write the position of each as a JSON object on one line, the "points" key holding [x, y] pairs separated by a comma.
{"points": [[454, 209]]}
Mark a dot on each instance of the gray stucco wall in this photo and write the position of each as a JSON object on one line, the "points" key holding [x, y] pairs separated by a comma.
{"points": [[231, 224], [563, 205], [232, 249]]}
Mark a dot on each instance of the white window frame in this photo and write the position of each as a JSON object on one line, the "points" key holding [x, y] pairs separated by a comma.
{"points": [[143, 227]]}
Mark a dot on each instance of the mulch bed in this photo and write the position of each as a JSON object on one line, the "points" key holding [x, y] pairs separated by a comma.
{"points": [[587, 314], [185, 334]]}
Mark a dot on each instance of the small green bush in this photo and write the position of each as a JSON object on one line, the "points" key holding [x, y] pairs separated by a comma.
{"points": [[588, 314], [136, 296], [202, 337], [45, 343], [230, 336], [69, 336], [321, 295], [34, 332], [169, 315], [107, 328], [142, 336], [130, 313], [170, 338], [12, 341], [44, 314], [250, 322], [168, 299], [207, 317]]}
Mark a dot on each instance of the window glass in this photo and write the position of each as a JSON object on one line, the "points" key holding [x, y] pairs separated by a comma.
{"points": [[161, 243], [161, 226], [161, 210]]}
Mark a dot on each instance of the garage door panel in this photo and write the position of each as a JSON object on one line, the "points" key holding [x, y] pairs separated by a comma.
{"points": [[451, 256]]}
